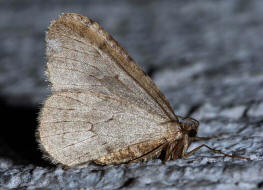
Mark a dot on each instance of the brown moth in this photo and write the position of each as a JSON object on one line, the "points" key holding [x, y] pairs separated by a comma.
{"points": [[103, 107]]}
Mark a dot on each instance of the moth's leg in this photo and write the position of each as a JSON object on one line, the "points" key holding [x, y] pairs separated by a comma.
{"points": [[152, 154], [195, 139], [168, 151], [174, 150], [213, 150]]}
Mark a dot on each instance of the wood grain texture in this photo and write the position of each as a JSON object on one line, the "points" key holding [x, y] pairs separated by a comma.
{"points": [[103, 107]]}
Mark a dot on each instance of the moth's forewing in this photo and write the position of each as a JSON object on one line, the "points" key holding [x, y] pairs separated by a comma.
{"points": [[101, 100]]}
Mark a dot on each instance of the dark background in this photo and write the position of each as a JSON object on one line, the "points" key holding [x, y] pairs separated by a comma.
{"points": [[206, 56]]}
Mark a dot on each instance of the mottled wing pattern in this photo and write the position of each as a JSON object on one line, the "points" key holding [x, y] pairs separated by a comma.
{"points": [[101, 99]]}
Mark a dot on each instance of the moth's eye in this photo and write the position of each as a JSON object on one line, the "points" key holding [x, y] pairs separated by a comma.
{"points": [[192, 133]]}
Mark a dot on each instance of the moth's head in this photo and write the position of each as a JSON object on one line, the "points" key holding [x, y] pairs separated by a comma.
{"points": [[189, 126]]}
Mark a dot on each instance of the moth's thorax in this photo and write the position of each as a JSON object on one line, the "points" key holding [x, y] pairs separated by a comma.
{"points": [[174, 131]]}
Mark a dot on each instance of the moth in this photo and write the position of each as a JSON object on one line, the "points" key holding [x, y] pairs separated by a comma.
{"points": [[103, 107]]}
